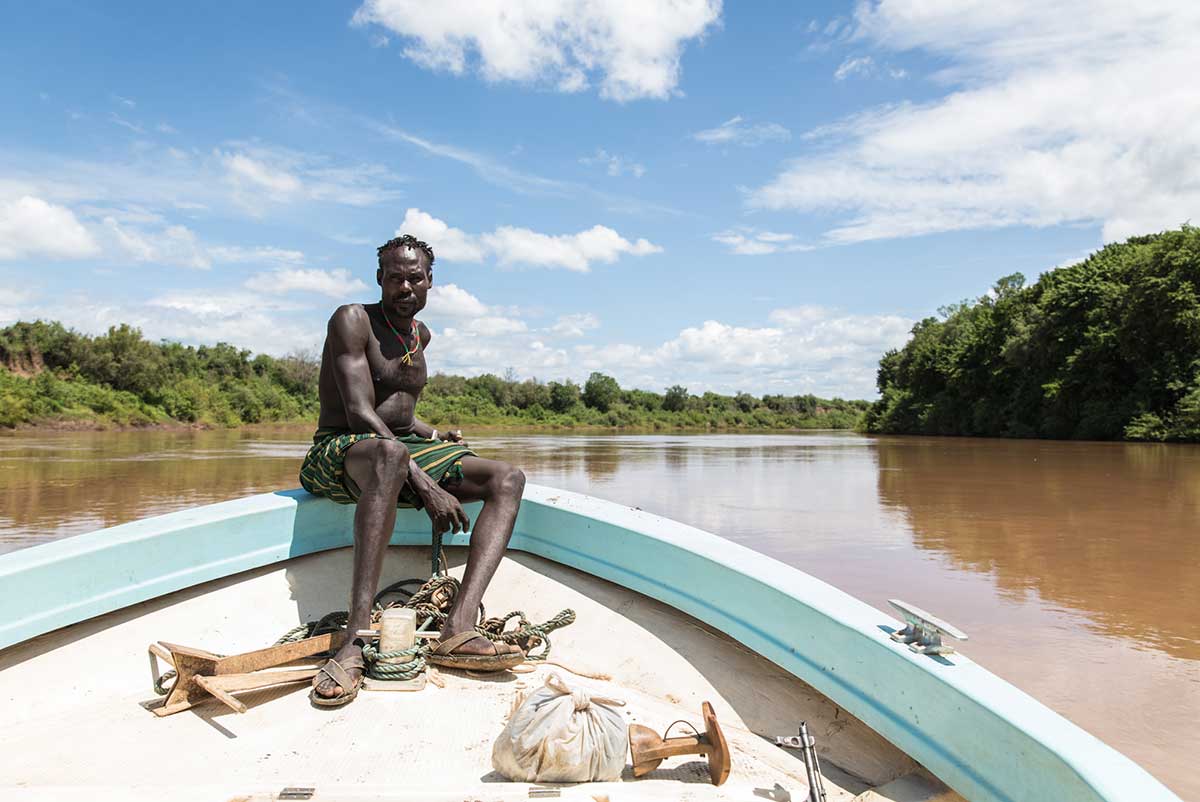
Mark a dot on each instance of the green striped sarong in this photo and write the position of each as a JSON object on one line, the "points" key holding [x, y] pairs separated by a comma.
{"points": [[323, 472]]}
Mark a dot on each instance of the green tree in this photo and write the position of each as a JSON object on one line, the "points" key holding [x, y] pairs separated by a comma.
{"points": [[563, 395], [675, 399], [601, 391]]}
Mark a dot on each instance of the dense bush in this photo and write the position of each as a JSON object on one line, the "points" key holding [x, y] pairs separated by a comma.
{"points": [[1105, 349], [50, 374]]}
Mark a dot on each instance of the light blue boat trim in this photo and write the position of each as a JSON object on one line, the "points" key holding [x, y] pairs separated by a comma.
{"points": [[979, 734]]}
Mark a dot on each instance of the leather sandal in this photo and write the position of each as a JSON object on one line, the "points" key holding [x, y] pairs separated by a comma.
{"points": [[338, 673], [503, 655]]}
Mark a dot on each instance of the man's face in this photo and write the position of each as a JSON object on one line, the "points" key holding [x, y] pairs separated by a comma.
{"points": [[405, 278]]}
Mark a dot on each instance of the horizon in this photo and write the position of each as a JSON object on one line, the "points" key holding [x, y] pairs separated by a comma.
{"points": [[724, 198]]}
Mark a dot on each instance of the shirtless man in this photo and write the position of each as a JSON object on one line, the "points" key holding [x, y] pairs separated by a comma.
{"points": [[371, 449]]}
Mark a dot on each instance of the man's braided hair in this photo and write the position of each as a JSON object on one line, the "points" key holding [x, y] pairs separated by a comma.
{"points": [[407, 240]]}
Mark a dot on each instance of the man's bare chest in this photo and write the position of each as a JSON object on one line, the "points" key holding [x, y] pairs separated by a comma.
{"points": [[390, 372]]}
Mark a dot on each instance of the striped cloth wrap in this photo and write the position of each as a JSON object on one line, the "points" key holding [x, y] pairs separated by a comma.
{"points": [[323, 472]]}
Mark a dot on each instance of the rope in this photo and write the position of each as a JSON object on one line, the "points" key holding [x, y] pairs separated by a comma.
{"points": [[431, 601]]}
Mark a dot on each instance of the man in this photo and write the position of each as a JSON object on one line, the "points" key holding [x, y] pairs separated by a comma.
{"points": [[371, 449]]}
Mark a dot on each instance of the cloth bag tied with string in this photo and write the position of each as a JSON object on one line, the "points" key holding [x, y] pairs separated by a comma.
{"points": [[562, 734]]}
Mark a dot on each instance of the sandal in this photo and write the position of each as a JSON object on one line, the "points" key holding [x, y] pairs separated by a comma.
{"points": [[443, 654], [338, 673]]}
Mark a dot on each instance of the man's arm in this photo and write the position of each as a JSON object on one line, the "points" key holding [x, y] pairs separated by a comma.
{"points": [[348, 333]]}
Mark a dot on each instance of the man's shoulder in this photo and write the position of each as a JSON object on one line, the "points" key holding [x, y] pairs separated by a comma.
{"points": [[350, 312], [349, 322]]}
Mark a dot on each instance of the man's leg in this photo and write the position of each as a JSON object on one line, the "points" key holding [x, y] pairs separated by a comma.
{"points": [[499, 486], [379, 468]]}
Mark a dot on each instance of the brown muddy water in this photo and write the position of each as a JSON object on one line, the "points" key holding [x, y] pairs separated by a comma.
{"points": [[1074, 567]]}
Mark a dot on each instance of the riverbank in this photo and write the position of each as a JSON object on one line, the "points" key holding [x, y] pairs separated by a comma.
{"points": [[516, 426]]}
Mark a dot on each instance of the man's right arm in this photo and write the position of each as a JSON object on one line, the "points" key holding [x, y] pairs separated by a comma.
{"points": [[348, 333]]}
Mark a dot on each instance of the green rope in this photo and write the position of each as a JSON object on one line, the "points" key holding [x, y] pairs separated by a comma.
{"points": [[429, 601]]}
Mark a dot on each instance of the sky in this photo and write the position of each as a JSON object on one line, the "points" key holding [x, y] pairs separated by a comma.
{"points": [[759, 197]]}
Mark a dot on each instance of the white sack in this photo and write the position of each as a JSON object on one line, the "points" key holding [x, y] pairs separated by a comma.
{"points": [[562, 734]]}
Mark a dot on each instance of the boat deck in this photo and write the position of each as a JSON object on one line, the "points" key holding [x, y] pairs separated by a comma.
{"points": [[77, 700]]}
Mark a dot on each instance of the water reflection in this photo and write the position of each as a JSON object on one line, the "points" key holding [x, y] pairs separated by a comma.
{"points": [[1104, 528]]}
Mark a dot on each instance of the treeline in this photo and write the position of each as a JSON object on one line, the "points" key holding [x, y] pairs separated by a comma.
{"points": [[602, 402], [1106, 349], [53, 375]]}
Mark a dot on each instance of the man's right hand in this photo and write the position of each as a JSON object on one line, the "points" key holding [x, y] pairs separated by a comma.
{"points": [[445, 512]]}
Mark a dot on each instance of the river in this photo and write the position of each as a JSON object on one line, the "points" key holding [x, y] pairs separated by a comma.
{"points": [[1074, 567]]}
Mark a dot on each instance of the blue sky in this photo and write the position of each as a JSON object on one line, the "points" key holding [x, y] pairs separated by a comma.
{"points": [[759, 197]]}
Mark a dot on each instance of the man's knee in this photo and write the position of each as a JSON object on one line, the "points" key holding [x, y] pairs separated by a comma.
{"points": [[385, 461], [509, 480]]}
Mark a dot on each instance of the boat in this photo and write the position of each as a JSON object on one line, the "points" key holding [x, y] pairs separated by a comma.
{"points": [[675, 616]]}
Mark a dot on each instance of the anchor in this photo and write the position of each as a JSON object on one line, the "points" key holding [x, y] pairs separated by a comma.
{"points": [[648, 749], [202, 676]]}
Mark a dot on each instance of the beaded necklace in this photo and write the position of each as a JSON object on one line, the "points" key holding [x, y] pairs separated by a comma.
{"points": [[416, 337]]}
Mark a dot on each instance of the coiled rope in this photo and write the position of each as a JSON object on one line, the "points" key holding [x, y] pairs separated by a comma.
{"points": [[431, 602]]}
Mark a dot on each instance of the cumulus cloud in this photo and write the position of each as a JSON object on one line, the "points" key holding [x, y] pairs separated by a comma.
{"points": [[631, 48], [170, 245], [334, 283], [613, 164], [748, 241], [510, 245], [792, 350], [451, 244], [807, 349], [453, 302], [736, 131], [1072, 112], [29, 226]]}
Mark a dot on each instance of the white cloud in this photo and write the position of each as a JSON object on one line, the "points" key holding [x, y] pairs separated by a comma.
{"points": [[502, 174], [806, 349], [29, 226], [861, 65], [171, 245], [736, 131], [1071, 112], [10, 296], [510, 245], [793, 350], [613, 164], [257, 174], [334, 283], [453, 302], [277, 182], [247, 320], [452, 244], [117, 119], [631, 47], [262, 254], [575, 325], [752, 242], [521, 246]]}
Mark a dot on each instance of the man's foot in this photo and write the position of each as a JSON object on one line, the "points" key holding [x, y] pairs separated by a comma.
{"points": [[339, 679], [473, 651]]}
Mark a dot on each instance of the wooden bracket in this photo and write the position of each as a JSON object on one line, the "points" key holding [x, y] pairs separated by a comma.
{"points": [[202, 676]]}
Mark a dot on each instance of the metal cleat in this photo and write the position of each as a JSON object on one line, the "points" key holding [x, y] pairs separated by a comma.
{"points": [[923, 632]]}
